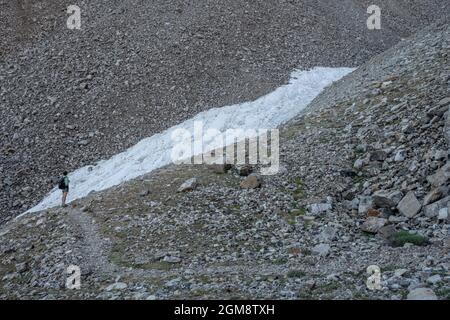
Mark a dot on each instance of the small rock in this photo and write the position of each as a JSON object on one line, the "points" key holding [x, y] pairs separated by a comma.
{"points": [[171, 259], [387, 232], [322, 249], [188, 185], [422, 294], [251, 182], [317, 208], [359, 163], [365, 203], [400, 272], [443, 214], [373, 224], [328, 234], [400, 156], [21, 267], [116, 286], [373, 213], [434, 279], [83, 142]]}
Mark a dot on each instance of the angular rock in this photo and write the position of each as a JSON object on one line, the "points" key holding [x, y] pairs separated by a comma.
{"points": [[409, 206], [444, 102], [378, 155], [422, 294], [244, 170], [220, 168], [373, 224], [251, 182], [400, 156], [328, 234], [387, 232], [171, 259], [443, 214], [359, 163], [441, 177], [387, 199], [435, 195], [116, 286], [188, 185], [365, 203], [433, 280], [322, 249], [373, 213], [317, 208], [432, 210]]}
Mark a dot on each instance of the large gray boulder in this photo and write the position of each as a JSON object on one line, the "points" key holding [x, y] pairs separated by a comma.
{"points": [[409, 206]]}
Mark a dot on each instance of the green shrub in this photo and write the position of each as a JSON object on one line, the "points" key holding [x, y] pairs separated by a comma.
{"points": [[402, 237]]}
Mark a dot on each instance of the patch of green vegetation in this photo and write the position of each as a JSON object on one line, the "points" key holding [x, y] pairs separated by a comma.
{"points": [[296, 274], [328, 288], [299, 192], [280, 261], [402, 237], [443, 293]]}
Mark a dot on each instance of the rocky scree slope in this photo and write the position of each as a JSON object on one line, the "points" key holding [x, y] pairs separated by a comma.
{"points": [[364, 182], [70, 98]]}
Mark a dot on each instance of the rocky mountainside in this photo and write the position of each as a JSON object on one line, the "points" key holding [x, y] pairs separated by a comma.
{"points": [[69, 98], [364, 182]]}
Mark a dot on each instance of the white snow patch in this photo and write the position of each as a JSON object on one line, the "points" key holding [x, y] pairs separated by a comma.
{"points": [[267, 112]]}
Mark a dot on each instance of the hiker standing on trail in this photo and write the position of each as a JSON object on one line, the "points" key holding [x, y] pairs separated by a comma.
{"points": [[64, 186]]}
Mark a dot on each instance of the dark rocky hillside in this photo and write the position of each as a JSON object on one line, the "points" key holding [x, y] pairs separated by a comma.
{"points": [[70, 98]]}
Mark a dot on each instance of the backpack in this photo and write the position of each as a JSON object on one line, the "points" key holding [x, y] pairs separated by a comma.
{"points": [[62, 183]]}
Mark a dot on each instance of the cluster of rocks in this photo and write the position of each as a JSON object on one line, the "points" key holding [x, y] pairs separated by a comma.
{"points": [[360, 170], [69, 98]]}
